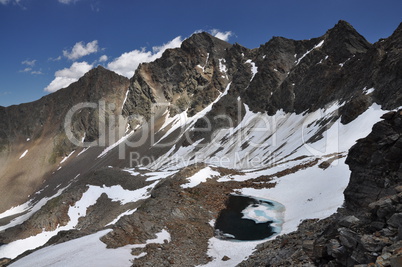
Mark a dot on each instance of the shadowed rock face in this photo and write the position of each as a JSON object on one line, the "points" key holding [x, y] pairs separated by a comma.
{"points": [[375, 162]]}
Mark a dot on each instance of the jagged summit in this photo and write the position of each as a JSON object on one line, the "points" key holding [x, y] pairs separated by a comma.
{"points": [[394, 42], [343, 25], [203, 40], [344, 41], [398, 31]]}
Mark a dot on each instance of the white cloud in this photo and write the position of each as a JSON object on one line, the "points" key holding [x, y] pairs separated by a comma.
{"points": [[15, 2], [28, 62], [128, 62], [55, 59], [80, 50], [26, 69], [67, 2], [221, 35], [67, 76], [37, 72], [103, 58]]}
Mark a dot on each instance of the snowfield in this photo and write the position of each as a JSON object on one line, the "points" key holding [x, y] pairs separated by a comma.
{"points": [[89, 198], [86, 251], [281, 139]]}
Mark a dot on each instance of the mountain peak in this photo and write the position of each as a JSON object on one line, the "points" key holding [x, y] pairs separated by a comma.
{"points": [[98, 70], [205, 40], [396, 37], [344, 30], [342, 24], [345, 41]]}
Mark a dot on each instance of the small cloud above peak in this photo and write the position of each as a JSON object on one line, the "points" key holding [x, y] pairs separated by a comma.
{"points": [[218, 34], [128, 62], [81, 49], [103, 58], [221, 35], [67, 76]]}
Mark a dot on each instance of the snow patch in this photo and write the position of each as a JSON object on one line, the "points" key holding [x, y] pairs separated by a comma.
{"points": [[123, 139], [263, 212], [84, 251], [186, 123], [200, 177], [309, 51], [24, 154], [125, 99], [66, 158], [89, 198], [27, 208], [128, 212], [206, 63], [368, 91], [254, 68], [83, 151], [223, 68]]}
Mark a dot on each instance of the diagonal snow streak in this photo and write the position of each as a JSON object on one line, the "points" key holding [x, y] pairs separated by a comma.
{"points": [[309, 51], [186, 123]]}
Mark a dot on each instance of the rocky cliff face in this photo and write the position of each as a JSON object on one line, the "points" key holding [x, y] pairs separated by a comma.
{"points": [[375, 163], [188, 78]]}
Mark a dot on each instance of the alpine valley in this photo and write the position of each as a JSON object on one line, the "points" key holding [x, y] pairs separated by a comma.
{"points": [[213, 155]]}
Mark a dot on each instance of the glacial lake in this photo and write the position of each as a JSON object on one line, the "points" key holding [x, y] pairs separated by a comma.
{"points": [[246, 218]]}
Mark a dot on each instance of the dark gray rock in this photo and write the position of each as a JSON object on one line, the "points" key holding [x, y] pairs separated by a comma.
{"points": [[395, 220], [349, 221], [376, 225], [335, 249], [374, 244], [348, 238], [375, 163]]}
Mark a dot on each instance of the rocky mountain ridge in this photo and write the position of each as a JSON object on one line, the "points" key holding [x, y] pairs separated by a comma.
{"points": [[312, 99]]}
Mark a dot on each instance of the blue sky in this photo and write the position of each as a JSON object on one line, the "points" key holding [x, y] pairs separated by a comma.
{"points": [[46, 44]]}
